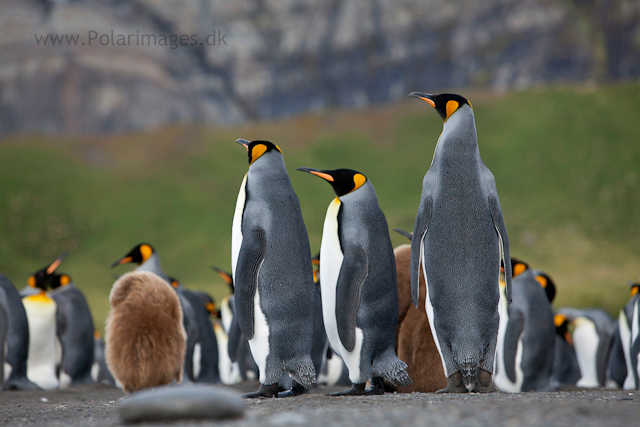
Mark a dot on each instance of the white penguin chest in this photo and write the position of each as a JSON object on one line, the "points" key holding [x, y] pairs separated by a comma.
{"points": [[586, 340], [41, 362], [331, 258], [236, 228]]}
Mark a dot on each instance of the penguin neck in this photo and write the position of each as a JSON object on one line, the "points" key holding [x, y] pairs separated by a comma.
{"points": [[458, 141], [152, 265], [366, 193], [267, 169]]}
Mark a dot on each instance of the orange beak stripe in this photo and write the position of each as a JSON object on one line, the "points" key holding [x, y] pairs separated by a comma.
{"points": [[125, 260], [53, 266], [433, 104], [323, 175]]}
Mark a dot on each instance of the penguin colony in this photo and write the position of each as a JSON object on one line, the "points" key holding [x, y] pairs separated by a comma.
{"points": [[482, 321]]}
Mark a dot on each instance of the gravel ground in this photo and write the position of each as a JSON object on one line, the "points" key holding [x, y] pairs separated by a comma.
{"points": [[97, 405]]}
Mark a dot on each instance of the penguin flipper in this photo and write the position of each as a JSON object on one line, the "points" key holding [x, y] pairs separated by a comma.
{"points": [[501, 229], [252, 253], [511, 338], [419, 231], [354, 271]]}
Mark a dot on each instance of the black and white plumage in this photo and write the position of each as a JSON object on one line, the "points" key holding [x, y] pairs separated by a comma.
{"points": [[358, 280], [460, 240], [526, 340], [272, 272]]}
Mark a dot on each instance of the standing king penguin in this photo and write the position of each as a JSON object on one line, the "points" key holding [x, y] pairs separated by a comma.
{"points": [[74, 327], [272, 273], [359, 287], [15, 346], [460, 237], [41, 314]]}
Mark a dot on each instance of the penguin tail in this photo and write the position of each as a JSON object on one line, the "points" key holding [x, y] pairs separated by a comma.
{"points": [[393, 370], [304, 373]]}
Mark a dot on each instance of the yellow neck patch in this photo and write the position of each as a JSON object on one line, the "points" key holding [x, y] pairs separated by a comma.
{"points": [[452, 106], [42, 297], [358, 180], [257, 151], [146, 252]]}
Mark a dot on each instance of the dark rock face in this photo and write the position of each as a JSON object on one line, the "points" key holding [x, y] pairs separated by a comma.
{"points": [[260, 59]]}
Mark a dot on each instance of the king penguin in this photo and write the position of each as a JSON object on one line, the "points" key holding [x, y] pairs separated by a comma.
{"points": [[15, 346], [201, 360], [591, 332], [272, 272], [460, 238], [526, 342], [629, 332], [359, 287], [41, 315], [566, 370], [74, 327]]}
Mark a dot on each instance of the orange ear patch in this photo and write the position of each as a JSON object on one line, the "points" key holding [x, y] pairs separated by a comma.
{"points": [[358, 180], [64, 280], [558, 320], [634, 290], [31, 281], [146, 252], [257, 151], [542, 280], [452, 106], [519, 268]]}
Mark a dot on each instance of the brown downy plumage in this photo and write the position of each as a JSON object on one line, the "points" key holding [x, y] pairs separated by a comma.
{"points": [[145, 338], [414, 341]]}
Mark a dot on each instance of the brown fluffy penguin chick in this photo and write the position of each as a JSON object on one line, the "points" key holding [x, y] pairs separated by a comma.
{"points": [[414, 341], [145, 338]]}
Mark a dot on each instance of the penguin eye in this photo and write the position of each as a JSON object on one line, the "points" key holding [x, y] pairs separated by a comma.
{"points": [[358, 180], [256, 152], [145, 251], [542, 280], [452, 106], [32, 281]]}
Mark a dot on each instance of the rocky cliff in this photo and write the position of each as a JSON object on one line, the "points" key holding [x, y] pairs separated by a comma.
{"points": [[85, 66]]}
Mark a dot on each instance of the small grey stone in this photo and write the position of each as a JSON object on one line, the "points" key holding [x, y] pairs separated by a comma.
{"points": [[181, 401], [288, 418]]}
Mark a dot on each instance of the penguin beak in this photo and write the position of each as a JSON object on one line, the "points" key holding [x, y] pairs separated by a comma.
{"points": [[425, 97], [225, 276], [121, 261], [55, 264], [317, 172], [244, 143]]}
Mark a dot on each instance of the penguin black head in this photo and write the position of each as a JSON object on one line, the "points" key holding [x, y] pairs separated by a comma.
{"points": [[518, 267], [42, 278], [445, 104], [547, 284], [255, 149], [343, 181], [60, 280], [137, 255], [562, 324], [225, 276]]}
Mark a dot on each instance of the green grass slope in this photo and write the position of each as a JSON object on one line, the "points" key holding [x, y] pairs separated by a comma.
{"points": [[566, 163]]}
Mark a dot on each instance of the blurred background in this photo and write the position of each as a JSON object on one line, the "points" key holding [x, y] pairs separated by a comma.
{"points": [[118, 120]]}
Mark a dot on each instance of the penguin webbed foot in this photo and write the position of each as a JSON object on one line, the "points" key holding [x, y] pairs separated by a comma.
{"points": [[270, 390], [356, 390], [21, 384], [296, 390], [377, 387], [484, 383], [454, 384]]}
